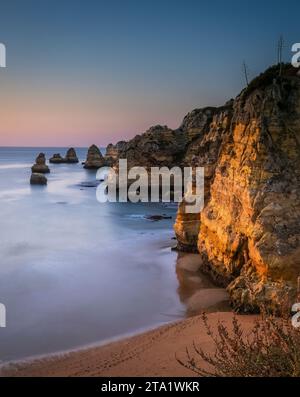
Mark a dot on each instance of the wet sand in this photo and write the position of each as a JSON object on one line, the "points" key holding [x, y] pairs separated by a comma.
{"points": [[196, 290], [149, 354]]}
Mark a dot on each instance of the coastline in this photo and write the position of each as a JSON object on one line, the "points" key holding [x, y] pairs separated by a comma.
{"points": [[151, 353], [196, 292], [146, 351]]}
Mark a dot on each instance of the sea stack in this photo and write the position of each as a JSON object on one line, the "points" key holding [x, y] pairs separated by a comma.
{"points": [[94, 158], [38, 179], [71, 156], [40, 165], [56, 159], [113, 152]]}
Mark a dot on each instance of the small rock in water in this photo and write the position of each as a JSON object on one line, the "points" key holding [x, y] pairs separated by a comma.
{"points": [[157, 217], [56, 159], [89, 184]]}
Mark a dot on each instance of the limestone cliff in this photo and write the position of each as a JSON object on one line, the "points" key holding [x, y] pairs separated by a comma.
{"points": [[206, 129], [158, 146], [113, 152], [248, 233]]}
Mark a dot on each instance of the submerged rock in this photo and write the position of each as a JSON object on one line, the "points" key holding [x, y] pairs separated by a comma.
{"points": [[89, 184], [38, 179], [40, 165], [94, 158], [157, 217]]}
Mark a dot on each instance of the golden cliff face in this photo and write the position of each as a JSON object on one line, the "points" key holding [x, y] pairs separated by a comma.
{"points": [[203, 151], [248, 233]]}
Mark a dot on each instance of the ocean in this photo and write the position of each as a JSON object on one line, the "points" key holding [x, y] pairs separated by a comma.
{"points": [[74, 272]]}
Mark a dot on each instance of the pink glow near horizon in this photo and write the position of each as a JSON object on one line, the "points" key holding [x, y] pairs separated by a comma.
{"points": [[65, 121]]}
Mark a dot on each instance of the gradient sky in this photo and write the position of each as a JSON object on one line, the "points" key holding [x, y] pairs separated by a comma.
{"points": [[95, 71]]}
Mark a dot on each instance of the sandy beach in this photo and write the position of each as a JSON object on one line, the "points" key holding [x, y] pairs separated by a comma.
{"points": [[149, 354]]}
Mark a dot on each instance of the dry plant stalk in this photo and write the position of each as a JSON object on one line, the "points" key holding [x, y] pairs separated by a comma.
{"points": [[271, 349]]}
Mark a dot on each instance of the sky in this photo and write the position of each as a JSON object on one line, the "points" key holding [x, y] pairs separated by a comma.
{"points": [[98, 71]]}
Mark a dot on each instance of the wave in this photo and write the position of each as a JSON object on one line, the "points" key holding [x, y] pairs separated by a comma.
{"points": [[13, 166], [14, 193], [135, 216]]}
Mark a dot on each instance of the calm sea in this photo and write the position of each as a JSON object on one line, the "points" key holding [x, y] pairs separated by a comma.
{"points": [[74, 271]]}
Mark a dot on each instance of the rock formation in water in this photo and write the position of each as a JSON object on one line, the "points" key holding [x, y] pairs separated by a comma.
{"points": [[38, 179], [113, 152], [94, 158], [248, 233], [56, 159], [40, 165], [156, 218], [71, 156]]}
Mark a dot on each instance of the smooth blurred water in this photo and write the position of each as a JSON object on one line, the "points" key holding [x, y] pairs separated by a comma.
{"points": [[74, 271]]}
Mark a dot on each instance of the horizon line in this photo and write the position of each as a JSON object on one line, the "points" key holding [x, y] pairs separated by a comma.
{"points": [[49, 147]]}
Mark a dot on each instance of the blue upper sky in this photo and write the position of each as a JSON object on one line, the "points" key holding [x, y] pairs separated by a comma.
{"points": [[97, 71]]}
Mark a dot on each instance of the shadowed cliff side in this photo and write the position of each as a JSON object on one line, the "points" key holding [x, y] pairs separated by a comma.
{"points": [[208, 127]]}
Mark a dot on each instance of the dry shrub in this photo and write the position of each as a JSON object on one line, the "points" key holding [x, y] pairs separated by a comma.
{"points": [[270, 349]]}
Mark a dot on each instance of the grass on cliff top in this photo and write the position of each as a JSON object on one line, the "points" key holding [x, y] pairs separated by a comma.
{"points": [[268, 76]]}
